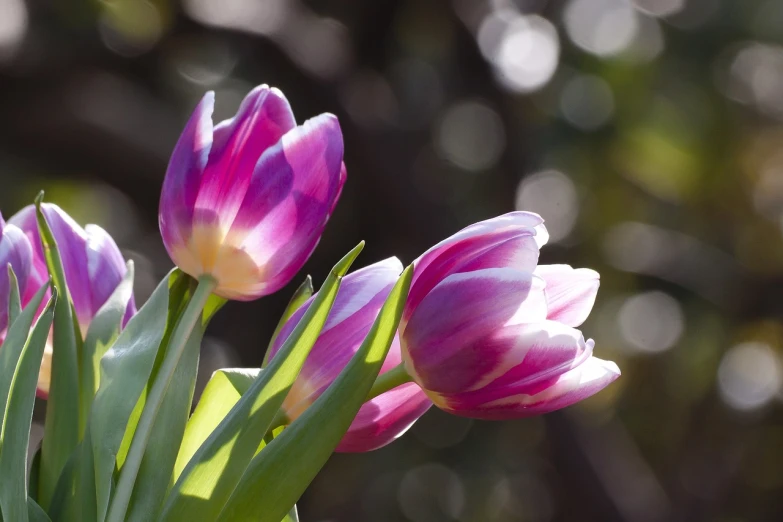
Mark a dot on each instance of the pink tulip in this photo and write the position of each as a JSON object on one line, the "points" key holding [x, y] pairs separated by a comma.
{"points": [[488, 334], [387, 416], [92, 263], [15, 250], [246, 201]]}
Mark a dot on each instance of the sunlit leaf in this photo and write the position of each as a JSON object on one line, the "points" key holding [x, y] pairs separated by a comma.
{"points": [[210, 476], [278, 475]]}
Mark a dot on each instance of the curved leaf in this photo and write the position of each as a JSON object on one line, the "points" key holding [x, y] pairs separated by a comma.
{"points": [[213, 472], [278, 475]]}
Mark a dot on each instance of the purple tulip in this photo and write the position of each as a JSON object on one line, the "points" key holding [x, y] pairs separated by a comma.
{"points": [[246, 201], [488, 334], [92, 263], [15, 250], [384, 418]]}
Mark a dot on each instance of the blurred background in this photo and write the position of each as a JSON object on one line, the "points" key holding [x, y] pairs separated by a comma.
{"points": [[648, 133]]}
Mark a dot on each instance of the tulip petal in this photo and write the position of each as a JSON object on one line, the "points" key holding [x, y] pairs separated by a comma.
{"points": [[570, 293], [569, 388], [105, 268], [287, 205], [385, 418], [15, 250], [364, 288], [443, 341], [262, 119], [528, 358], [183, 175], [504, 241]]}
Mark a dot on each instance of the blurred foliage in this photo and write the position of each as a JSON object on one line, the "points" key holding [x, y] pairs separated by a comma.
{"points": [[649, 134]]}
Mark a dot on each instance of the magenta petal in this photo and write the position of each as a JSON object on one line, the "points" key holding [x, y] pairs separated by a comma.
{"points": [[504, 241], [570, 293], [262, 119], [290, 198], [15, 250], [385, 418], [579, 383], [443, 340], [106, 268], [183, 175]]}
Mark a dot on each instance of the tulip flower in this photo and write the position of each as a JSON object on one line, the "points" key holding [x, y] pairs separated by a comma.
{"points": [[489, 334], [92, 263], [15, 250], [385, 417], [246, 202]]}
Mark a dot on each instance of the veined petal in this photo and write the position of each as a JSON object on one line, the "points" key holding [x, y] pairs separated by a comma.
{"points": [[444, 342], [262, 119], [504, 241], [570, 293], [527, 358], [72, 244], [15, 250], [106, 268], [367, 287], [183, 176], [385, 418], [569, 388], [290, 198]]}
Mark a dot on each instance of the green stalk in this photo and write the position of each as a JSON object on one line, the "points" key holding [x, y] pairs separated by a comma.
{"points": [[130, 470], [397, 376]]}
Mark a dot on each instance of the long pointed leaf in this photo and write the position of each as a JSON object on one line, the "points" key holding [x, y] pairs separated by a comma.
{"points": [[14, 301], [103, 331], [302, 294], [13, 345], [125, 368], [279, 474], [155, 476], [217, 466], [61, 427], [36, 513], [223, 390], [15, 433]]}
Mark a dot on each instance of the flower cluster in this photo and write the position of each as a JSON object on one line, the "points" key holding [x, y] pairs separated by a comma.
{"points": [[475, 326]]}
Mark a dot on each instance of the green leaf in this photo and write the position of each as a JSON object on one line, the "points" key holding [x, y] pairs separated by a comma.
{"points": [[278, 475], [179, 283], [125, 368], [15, 433], [14, 344], [103, 331], [302, 294], [155, 476], [35, 513], [14, 301], [213, 472], [292, 516], [61, 427], [223, 390]]}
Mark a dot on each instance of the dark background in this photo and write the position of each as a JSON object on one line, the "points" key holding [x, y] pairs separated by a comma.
{"points": [[648, 133]]}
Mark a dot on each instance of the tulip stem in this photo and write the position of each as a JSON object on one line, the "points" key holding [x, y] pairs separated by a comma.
{"points": [[176, 346], [389, 380]]}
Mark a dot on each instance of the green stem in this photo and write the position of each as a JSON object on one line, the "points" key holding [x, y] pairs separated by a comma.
{"points": [[176, 346], [389, 380]]}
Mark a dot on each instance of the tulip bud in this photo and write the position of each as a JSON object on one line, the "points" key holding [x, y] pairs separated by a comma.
{"points": [[246, 202], [488, 334], [15, 250], [385, 417], [92, 263]]}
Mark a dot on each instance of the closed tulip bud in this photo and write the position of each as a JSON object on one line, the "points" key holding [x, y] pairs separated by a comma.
{"points": [[390, 414], [489, 334], [16, 251], [246, 202], [92, 263]]}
